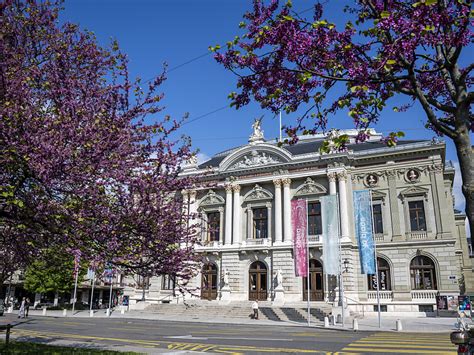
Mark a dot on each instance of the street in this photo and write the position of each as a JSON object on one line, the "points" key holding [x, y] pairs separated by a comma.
{"points": [[151, 336]]}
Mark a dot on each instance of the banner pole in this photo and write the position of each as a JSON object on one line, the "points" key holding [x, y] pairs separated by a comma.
{"points": [[341, 281], [307, 266], [376, 262], [92, 292], [75, 291], [110, 296]]}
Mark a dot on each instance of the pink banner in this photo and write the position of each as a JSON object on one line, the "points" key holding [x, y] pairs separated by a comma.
{"points": [[299, 222]]}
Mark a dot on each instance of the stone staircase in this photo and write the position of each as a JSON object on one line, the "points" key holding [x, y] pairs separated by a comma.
{"points": [[202, 309]]}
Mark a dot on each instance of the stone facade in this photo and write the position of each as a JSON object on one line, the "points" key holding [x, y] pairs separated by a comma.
{"points": [[250, 204]]}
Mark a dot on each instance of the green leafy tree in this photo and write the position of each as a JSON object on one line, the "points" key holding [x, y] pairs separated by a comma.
{"points": [[54, 273]]}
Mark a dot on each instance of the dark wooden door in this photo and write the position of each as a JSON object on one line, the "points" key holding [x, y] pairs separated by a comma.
{"points": [[258, 288], [209, 282], [316, 284]]}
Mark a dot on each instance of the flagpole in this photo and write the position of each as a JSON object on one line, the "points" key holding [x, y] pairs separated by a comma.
{"points": [[280, 131], [376, 262], [307, 262], [110, 296], [92, 291], [341, 281], [75, 291]]}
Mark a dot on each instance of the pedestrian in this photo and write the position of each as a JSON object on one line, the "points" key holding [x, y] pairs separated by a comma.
{"points": [[255, 309], [27, 307], [21, 312]]}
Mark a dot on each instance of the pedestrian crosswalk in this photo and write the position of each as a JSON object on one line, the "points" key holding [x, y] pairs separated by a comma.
{"points": [[402, 343]]}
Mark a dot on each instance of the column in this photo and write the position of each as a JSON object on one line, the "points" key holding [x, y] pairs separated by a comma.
{"points": [[278, 224], [287, 209], [269, 222], [237, 227], [342, 177], [192, 203], [221, 229], [228, 215], [332, 183]]}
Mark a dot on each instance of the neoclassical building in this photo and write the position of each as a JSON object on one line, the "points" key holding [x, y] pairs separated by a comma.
{"points": [[246, 231]]}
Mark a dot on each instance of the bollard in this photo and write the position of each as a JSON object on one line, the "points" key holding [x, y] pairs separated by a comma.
{"points": [[7, 335], [355, 325], [44, 311], [107, 314], [333, 320], [64, 312], [399, 325], [10, 309], [326, 322], [91, 313], [122, 310]]}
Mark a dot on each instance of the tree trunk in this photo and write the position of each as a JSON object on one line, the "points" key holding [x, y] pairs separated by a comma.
{"points": [[465, 154]]}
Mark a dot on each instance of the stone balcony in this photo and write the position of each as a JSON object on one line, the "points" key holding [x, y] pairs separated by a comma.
{"points": [[385, 296], [424, 296]]}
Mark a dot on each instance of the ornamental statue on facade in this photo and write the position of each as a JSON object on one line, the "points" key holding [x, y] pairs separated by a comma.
{"points": [[257, 134]]}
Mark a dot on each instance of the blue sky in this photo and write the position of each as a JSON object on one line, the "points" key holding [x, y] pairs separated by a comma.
{"points": [[178, 32]]}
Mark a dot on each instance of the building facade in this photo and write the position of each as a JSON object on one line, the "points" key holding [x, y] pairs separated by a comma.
{"points": [[246, 231]]}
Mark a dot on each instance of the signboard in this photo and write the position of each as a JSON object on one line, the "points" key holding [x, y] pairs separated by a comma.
{"points": [[464, 303], [363, 230], [452, 303], [299, 222], [442, 303]]}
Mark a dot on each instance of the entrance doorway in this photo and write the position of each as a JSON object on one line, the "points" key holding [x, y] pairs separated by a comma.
{"points": [[258, 281], [209, 282], [316, 285]]}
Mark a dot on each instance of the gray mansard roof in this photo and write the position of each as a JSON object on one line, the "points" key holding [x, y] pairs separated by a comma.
{"points": [[307, 147]]}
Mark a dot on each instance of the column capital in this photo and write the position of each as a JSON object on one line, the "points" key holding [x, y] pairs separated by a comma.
{"points": [[228, 188], [236, 188], [286, 182], [184, 193], [277, 182], [332, 177], [342, 176]]}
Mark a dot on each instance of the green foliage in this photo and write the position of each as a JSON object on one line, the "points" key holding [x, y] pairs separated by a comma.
{"points": [[53, 273]]}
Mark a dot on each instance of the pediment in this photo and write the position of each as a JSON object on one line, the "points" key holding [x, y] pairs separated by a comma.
{"points": [[309, 187], [211, 199], [414, 190], [378, 195], [250, 157], [258, 193]]}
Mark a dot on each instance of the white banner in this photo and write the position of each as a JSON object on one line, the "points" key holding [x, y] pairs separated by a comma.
{"points": [[330, 222]]}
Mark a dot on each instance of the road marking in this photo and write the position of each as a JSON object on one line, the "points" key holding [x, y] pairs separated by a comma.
{"points": [[401, 345], [409, 351], [185, 337], [173, 345]]}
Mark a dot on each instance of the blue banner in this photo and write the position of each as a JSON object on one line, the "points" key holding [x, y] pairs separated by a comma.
{"points": [[363, 230], [330, 222]]}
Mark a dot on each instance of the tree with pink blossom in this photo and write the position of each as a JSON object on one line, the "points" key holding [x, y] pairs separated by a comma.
{"points": [[86, 163], [413, 48]]}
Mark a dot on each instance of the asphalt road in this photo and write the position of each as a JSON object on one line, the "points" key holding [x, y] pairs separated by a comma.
{"points": [[155, 336]]}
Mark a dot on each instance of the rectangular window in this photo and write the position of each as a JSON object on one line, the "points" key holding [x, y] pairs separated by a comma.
{"points": [[213, 226], [417, 215], [314, 219], [167, 282], [260, 223], [378, 221]]}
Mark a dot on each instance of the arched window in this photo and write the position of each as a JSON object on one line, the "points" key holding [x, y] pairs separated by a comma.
{"points": [[422, 273], [384, 277]]}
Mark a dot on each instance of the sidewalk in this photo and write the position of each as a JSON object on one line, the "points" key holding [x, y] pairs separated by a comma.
{"points": [[369, 323]]}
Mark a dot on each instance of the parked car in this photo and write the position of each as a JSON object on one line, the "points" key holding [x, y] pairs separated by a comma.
{"points": [[2, 307]]}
